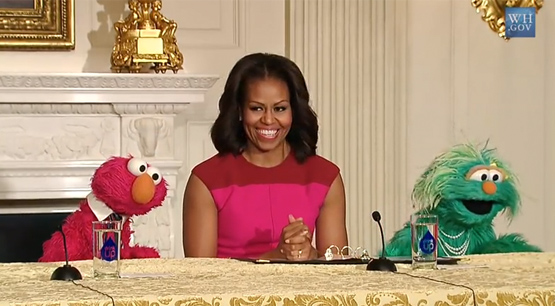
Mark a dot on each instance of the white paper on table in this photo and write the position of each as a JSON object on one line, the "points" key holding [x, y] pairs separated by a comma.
{"points": [[144, 275]]}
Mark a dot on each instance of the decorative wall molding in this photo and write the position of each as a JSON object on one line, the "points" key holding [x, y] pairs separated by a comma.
{"points": [[59, 179], [353, 56], [104, 88], [149, 109], [105, 81], [223, 28], [91, 109], [69, 169], [55, 109]]}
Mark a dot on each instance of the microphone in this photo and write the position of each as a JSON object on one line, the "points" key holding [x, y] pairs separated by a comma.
{"points": [[382, 263], [66, 272]]}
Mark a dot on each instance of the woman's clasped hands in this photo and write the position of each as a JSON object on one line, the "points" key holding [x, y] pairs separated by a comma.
{"points": [[296, 241]]}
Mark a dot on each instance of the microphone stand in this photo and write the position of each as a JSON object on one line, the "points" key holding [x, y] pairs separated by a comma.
{"points": [[66, 272], [382, 263]]}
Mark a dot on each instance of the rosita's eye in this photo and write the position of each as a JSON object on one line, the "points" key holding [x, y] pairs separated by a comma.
{"points": [[483, 175], [496, 175], [479, 175]]}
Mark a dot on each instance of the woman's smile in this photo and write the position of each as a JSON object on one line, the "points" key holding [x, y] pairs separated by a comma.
{"points": [[267, 134]]}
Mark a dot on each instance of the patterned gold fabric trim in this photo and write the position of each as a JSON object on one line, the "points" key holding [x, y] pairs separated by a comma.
{"points": [[536, 298]]}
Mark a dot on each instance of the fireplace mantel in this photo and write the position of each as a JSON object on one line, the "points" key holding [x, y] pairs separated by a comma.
{"points": [[111, 88], [56, 129]]}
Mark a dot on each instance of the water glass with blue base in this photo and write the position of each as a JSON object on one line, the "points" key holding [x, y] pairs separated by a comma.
{"points": [[106, 249], [424, 238]]}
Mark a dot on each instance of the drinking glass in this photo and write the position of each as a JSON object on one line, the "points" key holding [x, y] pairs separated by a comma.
{"points": [[424, 235], [106, 248]]}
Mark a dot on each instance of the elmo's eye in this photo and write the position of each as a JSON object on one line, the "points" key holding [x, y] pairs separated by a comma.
{"points": [[480, 175], [136, 166], [155, 175], [495, 175]]}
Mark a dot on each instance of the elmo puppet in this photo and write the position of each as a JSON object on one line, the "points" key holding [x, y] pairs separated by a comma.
{"points": [[122, 187]]}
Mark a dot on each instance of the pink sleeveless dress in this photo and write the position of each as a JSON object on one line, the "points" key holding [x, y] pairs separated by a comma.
{"points": [[254, 203]]}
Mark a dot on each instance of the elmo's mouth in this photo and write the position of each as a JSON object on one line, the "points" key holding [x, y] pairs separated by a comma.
{"points": [[478, 207]]}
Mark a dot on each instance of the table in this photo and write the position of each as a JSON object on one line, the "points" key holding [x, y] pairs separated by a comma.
{"points": [[506, 280]]}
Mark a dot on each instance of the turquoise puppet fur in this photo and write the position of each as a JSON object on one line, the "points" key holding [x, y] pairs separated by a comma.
{"points": [[454, 188]]}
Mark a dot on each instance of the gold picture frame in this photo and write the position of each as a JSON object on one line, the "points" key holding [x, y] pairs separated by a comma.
{"points": [[46, 25], [493, 12]]}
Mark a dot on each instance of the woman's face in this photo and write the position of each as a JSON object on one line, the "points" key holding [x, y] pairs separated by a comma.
{"points": [[267, 115]]}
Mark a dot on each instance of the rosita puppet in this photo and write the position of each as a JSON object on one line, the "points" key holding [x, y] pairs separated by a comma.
{"points": [[466, 187]]}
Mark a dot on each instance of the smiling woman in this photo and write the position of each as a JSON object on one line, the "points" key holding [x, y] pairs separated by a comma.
{"points": [[17, 4], [266, 191], [466, 187]]}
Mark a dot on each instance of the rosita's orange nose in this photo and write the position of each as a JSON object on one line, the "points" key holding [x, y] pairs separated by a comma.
{"points": [[143, 189], [489, 187]]}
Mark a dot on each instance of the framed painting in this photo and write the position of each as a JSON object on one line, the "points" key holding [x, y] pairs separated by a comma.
{"points": [[37, 24]]}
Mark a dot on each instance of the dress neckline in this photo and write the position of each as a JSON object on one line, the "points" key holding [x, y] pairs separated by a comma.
{"points": [[282, 164]]}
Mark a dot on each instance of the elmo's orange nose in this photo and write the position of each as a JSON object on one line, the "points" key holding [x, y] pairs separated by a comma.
{"points": [[489, 187], [143, 189]]}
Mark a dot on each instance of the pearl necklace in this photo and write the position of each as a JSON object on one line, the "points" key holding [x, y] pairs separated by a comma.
{"points": [[450, 250]]}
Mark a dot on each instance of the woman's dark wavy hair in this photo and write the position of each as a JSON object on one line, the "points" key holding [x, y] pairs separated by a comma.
{"points": [[228, 134]]}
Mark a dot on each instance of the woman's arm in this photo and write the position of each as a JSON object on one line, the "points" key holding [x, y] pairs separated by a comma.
{"points": [[330, 226], [200, 220]]}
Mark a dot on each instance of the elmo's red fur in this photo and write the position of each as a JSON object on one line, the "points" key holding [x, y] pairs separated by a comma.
{"points": [[126, 185]]}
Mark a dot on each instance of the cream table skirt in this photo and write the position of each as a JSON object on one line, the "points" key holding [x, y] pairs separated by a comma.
{"points": [[504, 280]]}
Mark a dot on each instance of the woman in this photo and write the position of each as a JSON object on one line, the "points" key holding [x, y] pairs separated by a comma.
{"points": [[266, 191]]}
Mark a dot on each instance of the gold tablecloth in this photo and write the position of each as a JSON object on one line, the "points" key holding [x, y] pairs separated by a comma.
{"points": [[505, 280]]}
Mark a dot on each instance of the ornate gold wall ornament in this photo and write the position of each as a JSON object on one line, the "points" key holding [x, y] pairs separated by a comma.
{"points": [[37, 25], [493, 12], [146, 36]]}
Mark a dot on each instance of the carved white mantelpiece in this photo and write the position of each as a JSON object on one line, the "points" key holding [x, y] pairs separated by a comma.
{"points": [[108, 88], [56, 129]]}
